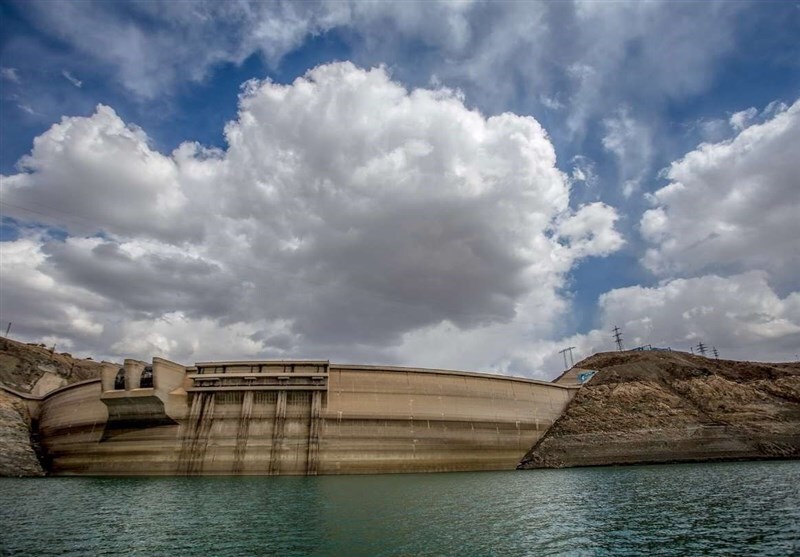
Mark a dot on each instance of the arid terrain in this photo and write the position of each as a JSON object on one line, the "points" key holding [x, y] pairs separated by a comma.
{"points": [[658, 406], [35, 369]]}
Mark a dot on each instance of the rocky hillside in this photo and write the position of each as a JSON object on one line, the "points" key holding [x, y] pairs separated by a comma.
{"points": [[33, 368], [30, 368], [648, 407]]}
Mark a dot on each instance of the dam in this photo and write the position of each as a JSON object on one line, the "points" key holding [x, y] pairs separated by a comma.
{"points": [[303, 417]]}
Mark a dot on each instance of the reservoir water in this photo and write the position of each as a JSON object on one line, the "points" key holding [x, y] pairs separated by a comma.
{"points": [[743, 508]]}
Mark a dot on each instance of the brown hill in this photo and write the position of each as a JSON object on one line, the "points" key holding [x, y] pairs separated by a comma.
{"points": [[647, 407], [23, 366], [30, 368]]}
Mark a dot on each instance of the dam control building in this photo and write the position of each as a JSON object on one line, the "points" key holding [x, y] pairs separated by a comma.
{"points": [[291, 417]]}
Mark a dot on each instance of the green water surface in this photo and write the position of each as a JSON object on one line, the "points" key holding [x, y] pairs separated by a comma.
{"points": [[747, 508]]}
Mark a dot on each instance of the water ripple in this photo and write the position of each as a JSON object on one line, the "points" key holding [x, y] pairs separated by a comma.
{"points": [[711, 509]]}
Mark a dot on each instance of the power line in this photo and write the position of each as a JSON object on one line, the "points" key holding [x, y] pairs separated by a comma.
{"points": [[618, 338], [701, 348]]}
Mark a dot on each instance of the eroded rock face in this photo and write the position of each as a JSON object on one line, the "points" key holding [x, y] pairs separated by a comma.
{"points": [[17, 457], [648, 407]]}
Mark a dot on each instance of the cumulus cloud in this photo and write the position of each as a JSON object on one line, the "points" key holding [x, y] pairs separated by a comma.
{"points": [[591, 231], [732, 206], [726, 222], [729, 312], [345, 214], [570, 62], [86, 174], [740, 315], [39, 304]]}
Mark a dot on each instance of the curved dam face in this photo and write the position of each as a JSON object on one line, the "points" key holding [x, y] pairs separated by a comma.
{"points": [[298, 418]]}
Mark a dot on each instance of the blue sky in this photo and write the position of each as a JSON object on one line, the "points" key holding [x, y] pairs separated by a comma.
{"points": [[472, 185]]}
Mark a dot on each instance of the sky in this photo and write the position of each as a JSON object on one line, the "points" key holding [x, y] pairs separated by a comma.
{"points": [[469, 185]]}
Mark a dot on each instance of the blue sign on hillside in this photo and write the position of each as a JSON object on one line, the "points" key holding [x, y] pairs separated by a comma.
{"points": [[585, 376]]}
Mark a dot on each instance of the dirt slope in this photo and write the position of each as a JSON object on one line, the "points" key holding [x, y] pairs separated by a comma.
{"points": [[33, 369], [23, 365], [645, 407]]}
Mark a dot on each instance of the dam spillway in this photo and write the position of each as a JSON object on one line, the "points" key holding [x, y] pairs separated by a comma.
{"points": [[292, 418]]}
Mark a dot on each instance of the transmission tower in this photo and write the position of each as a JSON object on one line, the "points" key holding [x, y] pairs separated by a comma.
{"points": [[701, 348], [618, 338], [564, 353], [714, 351]]}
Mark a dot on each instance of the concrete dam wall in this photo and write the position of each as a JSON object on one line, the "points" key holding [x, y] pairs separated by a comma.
{"points": [[292, 417]]}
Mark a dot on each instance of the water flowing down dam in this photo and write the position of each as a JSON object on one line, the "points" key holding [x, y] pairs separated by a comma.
{"points": [[292, 418]]}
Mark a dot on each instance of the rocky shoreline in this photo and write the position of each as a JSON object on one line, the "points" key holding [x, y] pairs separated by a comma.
{"points": [[658, 407]]}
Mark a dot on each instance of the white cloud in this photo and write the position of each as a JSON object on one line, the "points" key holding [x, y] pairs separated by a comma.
{"points": [[179, 41], [662, 51], [630, 142], [729, 215], [713, 130], [351, 218], [27, 109], [40, 304], [72, 79], [9, 74], [573, 61], [551, 103], [347, 216], [732, 206], [591, 230], [739, 315], [740, 120], [584, 170], [181, 338], [655, 225], [86, 174]]}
